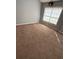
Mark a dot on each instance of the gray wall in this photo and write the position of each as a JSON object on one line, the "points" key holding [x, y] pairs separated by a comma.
{"points": [[59, 26], [27, 11], [60, 23]]}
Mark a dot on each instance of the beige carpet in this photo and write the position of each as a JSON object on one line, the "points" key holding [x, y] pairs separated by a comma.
{"points": [[37, 41]]}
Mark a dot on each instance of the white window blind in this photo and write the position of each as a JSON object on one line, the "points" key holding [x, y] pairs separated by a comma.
{"points": [[51, 15]]}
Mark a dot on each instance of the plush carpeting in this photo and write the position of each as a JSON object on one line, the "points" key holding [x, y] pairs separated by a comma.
{"points": [[36, 41]]}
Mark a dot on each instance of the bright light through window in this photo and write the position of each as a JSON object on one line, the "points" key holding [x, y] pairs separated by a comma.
{"points": [[51, 15]]}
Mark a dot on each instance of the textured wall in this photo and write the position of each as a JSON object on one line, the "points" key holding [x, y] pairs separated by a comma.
{"points": [[59, 25], [27, 11]]}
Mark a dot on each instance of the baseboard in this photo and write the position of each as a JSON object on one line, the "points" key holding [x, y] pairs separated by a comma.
{"points": [[26, 23]]}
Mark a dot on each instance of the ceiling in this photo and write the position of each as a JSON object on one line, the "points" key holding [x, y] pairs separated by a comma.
{"points": [[49, 0]]}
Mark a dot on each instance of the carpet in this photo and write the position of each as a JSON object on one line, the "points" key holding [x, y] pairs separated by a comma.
{"points": [[36, 41]]}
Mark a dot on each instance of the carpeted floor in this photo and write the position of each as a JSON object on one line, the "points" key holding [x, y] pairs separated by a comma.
{"points": [[36, 41]]}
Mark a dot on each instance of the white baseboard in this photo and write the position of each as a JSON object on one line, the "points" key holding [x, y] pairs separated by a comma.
{"points": [[26, 23]]}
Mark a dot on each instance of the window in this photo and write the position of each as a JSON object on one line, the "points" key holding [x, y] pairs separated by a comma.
{"points": [[51, 15]]}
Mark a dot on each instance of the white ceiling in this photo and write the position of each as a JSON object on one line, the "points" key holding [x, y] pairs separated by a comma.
{"points": [[48, 0]]}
